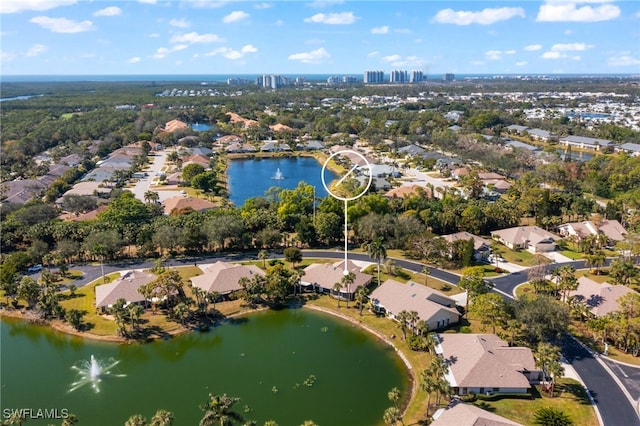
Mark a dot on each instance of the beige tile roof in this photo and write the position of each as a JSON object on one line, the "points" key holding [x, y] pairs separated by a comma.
{"points": [[430, 304], [181, 203], [524, 234], [601, 298], [408, 191], [326, 275], [125, 287], [478, 242], [613, 229], [462, 414], [173, 125], [484, 360], [223, 277]]}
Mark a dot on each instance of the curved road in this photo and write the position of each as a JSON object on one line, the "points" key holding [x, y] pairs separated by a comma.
{"points": [[615, 408]]}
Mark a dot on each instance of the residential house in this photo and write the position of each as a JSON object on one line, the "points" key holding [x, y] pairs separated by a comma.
{"points": [[312, 145], [229, 139], [584, 142], [408, 191], [530, 238], [323, 277], [223, 278], [125, 287], [517, 144], [88, 188], [175, 125], [432, 306], [279, 127], [21, 191], [200, 159], [483, 363], [238, 147], [541, 135], [380, 170], [517, 129], [601, 299], [459, 413], [633, 149], [411, 150], [176, 205], [274, 146], [481, 246], [611, 228]]}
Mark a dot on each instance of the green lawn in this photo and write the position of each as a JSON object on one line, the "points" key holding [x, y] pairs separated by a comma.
{"points": [[571, 398], [523, 257]]}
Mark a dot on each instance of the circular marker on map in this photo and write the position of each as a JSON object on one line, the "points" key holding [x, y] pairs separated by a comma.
{"points": [[344, 176]]}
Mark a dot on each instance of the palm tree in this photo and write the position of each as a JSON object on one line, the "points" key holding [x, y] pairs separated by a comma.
{"points": [[162, 418], [403, 320], [426, 271], [337, 288], [346, 282], [263, 255], [394, 396], [428, 384], [362, 297], [377, 251], [392, 416], [151, 197], [547, 357], [219, 410]]}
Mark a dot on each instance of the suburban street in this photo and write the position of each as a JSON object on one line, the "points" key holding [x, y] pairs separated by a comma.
{"points": [[616, 406]]}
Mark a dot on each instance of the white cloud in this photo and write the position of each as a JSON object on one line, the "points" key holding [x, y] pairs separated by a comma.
{"points": [[568, 32], [391, 58], [235, 16], [206, 4], [399, 61], [194, 37], [261, 6], [62, 25], [231, 53], [569, 12], [484, 17], [7, 56], [553, 55], [533, 47], [36, 50], [380, 30], [15, 6], [134, 60], [493, 55], [161, 53], [343, 18], [623, 61], [373, 54], [313, 57], [521, 63], [148, 1], [108, 11], [562, 47], [180, 23]]}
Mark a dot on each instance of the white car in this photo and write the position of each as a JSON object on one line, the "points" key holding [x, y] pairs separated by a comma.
{"points": [[35, 268], [493, 258]]}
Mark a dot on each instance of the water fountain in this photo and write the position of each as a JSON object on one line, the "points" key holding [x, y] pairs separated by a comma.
{"points": [[278, 175], [91, 372]]}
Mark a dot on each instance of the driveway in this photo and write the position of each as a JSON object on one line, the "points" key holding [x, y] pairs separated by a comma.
{"points": [[143, 185], [557, 257]]}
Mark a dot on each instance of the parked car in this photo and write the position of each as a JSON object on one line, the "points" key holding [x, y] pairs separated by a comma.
{"points": [[35, 268], [493, 258]]}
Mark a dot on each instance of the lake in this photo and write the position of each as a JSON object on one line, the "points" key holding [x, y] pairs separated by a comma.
{"points": [[289, 366], [252, 177]]}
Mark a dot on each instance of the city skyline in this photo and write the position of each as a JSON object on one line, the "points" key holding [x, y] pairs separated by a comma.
{"points": [[71, 37]]}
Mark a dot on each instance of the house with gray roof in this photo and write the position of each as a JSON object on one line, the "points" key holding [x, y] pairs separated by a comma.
{"points": [[633, 149], [323, 277], [411, 150], [584, 142], [224, 278], [484, 363], [433, 307], [126, 287], [530, 238], [540, 135], [459, 413], [601, 299]]}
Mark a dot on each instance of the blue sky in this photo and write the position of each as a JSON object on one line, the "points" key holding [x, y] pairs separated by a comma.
{"points": [[75, 37]]}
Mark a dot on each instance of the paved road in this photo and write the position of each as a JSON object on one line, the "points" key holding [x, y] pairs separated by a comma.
{"points": [[629, 375]]}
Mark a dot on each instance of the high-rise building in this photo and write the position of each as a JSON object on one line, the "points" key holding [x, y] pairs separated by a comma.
{"points": [[399, 76], [416, 76], [371, 77], [272, 81], [449, 77]]}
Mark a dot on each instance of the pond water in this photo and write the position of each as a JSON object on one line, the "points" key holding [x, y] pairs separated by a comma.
{"points": [[200, 127], [289, 366], [252, 177]]}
